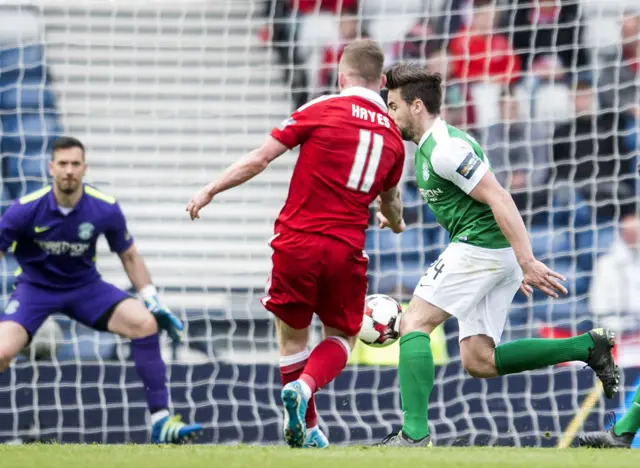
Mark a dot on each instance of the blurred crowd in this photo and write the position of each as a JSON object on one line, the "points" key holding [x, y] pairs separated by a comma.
{"points": [[557, 116]]}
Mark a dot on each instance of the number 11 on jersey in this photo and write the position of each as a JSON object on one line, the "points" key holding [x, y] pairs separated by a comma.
{"points": [[362, 152]]}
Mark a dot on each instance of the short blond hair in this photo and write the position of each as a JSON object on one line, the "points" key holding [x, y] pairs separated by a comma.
{"points": [[365, 57]]}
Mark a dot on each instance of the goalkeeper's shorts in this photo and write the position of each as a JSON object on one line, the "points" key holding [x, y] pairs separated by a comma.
{"points": [[91, 304]]}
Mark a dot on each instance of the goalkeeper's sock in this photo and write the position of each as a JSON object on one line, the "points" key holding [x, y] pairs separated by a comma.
{"points": [[326, 362], [534, 353], [159, 416], [630, 422], [151, 370], [416, 374], [290, 369]]}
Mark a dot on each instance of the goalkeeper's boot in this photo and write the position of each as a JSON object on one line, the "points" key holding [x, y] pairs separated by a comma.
{"points": [[316, 439], [401, 440], [606, 439], [295, 407], [601, 360], [171, 430]]}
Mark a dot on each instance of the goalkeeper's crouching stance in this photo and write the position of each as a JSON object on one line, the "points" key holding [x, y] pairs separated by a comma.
{"points": [[53, 233]]}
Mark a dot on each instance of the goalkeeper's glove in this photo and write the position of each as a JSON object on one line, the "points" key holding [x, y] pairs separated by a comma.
{"points": [[166, 320]]}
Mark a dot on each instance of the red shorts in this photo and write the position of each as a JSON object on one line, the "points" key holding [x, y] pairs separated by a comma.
{"points": [[316, 273]]}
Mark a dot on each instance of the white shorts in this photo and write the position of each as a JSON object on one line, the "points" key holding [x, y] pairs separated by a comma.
{"points": [[475, 285]]}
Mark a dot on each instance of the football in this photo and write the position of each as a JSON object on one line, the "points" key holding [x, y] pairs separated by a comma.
{"points": [[381, 321]]}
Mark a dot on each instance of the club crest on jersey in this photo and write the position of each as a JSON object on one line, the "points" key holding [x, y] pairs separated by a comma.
{"points": [[85, 231], [469, 166], [286, 122], [425, 172]]}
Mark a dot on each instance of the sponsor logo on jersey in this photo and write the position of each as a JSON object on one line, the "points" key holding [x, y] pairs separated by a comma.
{"points": [[425, 172], [431, 195], [286, 122], [85, 231], [469, 166], [73, 249]]}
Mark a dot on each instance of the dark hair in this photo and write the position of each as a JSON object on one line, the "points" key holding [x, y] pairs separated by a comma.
{"points": [[366, 58], [66, 142], [414, 83]]}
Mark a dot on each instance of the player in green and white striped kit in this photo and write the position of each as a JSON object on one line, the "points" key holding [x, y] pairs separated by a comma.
{"points": [[476, 277]]}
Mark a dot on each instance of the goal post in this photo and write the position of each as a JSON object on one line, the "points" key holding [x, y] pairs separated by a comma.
{"points": [[166, 94]]}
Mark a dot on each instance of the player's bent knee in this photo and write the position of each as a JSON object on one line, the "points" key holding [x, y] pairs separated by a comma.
{"points": [[477, 359], [291, 347], [291, 340], [147, 327], [479, 370], [132, 320], [334, 332]]}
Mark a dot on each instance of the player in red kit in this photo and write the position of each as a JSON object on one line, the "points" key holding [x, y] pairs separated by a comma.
{"points": [[350, 154]]}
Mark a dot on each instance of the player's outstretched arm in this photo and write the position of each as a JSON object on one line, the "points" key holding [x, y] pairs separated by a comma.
{"points": [[138, 274], [505, 211], [243, 170], [390, 214]]}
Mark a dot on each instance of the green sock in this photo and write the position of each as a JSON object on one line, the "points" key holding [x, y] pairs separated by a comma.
{"points": [[534, 353], [630, 422], [416, 375]]}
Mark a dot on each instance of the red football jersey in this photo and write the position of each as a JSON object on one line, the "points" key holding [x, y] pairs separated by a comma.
{"points": [[350, 151]]}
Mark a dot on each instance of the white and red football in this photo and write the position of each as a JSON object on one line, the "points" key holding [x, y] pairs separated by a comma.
{"points": [[381, 321]]}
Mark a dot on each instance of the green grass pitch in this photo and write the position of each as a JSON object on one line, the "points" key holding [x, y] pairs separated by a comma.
{"points": [[139, 456]]}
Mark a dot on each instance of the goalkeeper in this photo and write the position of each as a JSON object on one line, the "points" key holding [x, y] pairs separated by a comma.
{"points": [[53, 232], [476, 277]]}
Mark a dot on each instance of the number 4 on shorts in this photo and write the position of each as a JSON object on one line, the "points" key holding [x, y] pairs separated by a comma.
{"points": [[436, 266]]}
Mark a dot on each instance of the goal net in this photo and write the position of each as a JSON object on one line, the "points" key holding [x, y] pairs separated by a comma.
{"points": [[166, 94]]}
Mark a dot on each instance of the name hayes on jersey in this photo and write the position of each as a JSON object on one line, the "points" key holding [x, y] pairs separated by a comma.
{"points": [[370, 116]]}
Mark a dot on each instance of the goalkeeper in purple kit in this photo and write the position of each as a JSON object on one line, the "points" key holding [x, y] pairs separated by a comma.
{"points": [[53, 233]]}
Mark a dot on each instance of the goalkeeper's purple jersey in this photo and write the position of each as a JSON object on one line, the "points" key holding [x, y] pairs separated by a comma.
{"points": [[58, 251]]}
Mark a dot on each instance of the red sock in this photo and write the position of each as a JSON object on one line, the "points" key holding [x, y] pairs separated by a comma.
{"points": [[326, 362], [290, 369]]}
